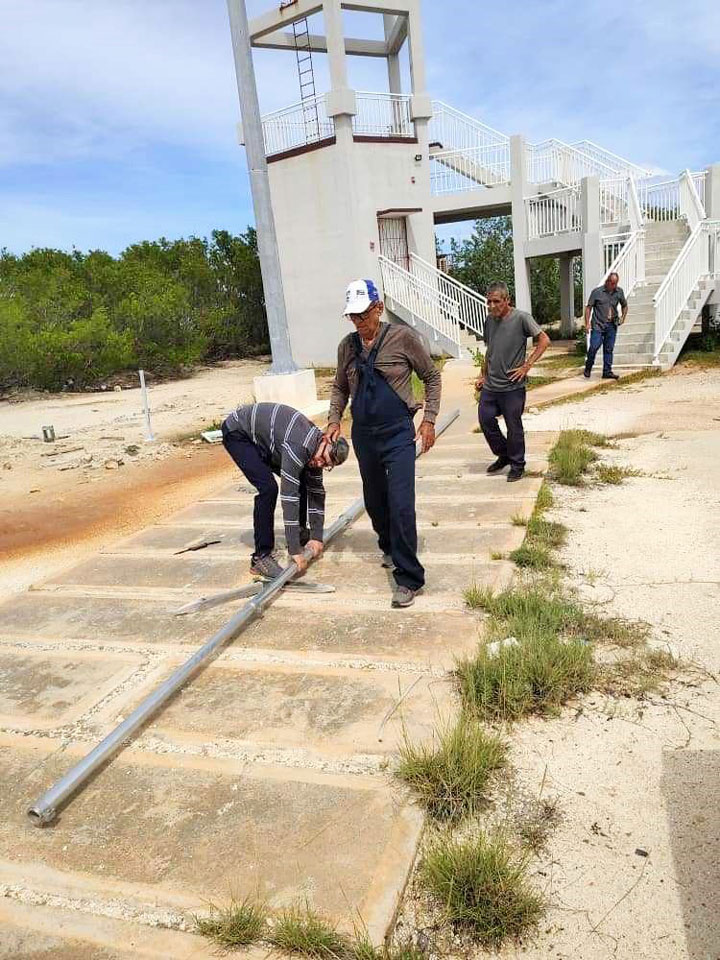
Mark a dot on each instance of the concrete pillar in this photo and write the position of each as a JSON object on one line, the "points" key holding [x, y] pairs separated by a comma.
{"points": [[417, 50], [341, 104], [712, 191], [567, 297], [592, 245], [393, 60], [518, 192]]}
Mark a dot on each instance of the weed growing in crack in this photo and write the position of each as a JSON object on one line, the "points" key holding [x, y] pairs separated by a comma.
{"points": [[611, 474], [239, 924], [638, 675], [300, 930], [450, 776], [572, 455], [481, 886]]}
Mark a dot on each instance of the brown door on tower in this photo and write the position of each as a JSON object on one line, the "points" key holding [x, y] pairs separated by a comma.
{"points": [[394, 240]]}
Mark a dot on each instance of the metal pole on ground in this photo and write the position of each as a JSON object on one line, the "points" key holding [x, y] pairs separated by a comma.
{"points": [[260, 186], [149, 436], [44, 810]]}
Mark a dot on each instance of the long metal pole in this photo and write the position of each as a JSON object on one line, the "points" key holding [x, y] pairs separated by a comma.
{"points": [[260, 188], [44, 810]]}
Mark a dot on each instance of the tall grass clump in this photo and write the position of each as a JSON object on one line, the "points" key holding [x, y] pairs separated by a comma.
{"points": [[301, 931], [572, 455], [482, 887], [450, 776], [239, 924]]}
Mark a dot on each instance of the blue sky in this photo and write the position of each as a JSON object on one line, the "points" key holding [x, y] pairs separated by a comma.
{"points": [[117, 117]]}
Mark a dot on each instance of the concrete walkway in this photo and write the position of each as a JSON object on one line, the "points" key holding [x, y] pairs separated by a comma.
{"points": [[268, 772]]}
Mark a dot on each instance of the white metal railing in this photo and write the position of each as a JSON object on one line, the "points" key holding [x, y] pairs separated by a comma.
{"points": [[691, 206], [455, 130], [698, 180], [424, 300], [383, 115], [454, 171], [629, 263], [693, 263], [614, 200], [297, 125], [612, 247], [610, 159], [471, 306], [660, 201], [553, 161], [551, 213]]}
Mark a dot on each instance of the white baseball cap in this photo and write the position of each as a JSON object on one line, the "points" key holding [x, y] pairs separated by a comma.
{"points": [[360, 295]]}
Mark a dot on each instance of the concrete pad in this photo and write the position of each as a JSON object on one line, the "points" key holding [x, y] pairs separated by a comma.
{"points": [[332, 711], [39, 691], [211, 828]]}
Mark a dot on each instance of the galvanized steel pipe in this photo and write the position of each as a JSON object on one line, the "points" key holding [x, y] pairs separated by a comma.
{"points": [[44, 810]]}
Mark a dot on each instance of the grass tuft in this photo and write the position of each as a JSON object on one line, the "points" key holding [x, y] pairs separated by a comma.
{"points": [[482, 887], [646, 671], [237, 925], [519, 520], [532, 556], [545, 498], [571, 456], [302, 931], [607, 473], [536, 822], [450, 777]]}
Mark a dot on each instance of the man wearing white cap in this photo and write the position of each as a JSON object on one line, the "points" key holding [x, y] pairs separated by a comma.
{"points": [[374, 371]]}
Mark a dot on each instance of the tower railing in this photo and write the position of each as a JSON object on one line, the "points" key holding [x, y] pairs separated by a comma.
{"points": [[287, 129], [383, 115]]}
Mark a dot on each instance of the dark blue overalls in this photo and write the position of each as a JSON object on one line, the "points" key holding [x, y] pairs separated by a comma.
{"points": [[383, 436]]}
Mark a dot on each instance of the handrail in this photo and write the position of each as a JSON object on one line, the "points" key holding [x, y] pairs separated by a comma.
{"points": [[691, 264], [554, 212], [488, 134], [695, 211], [629, 264], [623, 165], [472, 305], [456, 171], [422, 299]]}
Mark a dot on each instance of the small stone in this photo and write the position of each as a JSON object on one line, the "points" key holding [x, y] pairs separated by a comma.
{"points": [[112, 464], [639, 852], [117, 389]]}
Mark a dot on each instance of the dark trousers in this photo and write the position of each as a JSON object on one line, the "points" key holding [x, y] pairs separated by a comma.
{"points": [[259, 473], [386, 457], [606, 339], [510, 405]]}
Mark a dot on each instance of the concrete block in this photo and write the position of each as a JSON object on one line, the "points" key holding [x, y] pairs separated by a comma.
{"points": [[295, 389], [341, 102]]}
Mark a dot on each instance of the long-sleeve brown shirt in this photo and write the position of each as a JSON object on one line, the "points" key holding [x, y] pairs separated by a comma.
{"points": [[400, 353]]}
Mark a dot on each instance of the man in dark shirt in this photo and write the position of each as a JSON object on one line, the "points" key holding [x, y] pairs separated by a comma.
{"points": [[271, 438], [503, 378], [601, 322]]}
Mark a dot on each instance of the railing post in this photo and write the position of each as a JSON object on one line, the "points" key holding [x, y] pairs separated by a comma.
{"points": [[518, 193], [592, 246], [567, 296]]}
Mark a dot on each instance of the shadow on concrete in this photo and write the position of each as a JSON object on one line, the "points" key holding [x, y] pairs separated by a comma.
{"points": [[690, 784]]}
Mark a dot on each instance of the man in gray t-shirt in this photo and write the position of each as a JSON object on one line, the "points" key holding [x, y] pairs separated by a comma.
{"points": [[503, 378]]}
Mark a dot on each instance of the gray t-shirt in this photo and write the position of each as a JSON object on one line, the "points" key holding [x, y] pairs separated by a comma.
{"points": [[604, 304], [506, 341]]}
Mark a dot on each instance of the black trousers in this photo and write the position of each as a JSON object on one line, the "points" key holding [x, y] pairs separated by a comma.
{"points": [[510, 405], [386, 457], [259, 473]]}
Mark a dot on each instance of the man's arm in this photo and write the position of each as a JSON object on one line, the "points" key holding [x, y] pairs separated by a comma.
{"points": [[340, 394], [315, 503], [422, 363], [530, 329], [623, 304], [588, 312]]}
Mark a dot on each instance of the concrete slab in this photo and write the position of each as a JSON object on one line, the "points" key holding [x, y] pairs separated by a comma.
{"points": [[211, 828], [335, 712], [42, 690]]}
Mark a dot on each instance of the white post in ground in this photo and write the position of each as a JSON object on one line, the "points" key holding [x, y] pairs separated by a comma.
{"points": [[519, 190], [592, 245], [283, 362], [149, 436]]}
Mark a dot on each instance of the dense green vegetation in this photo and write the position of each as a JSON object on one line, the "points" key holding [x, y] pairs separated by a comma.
{"points": [[75, 318], [488, 256]]}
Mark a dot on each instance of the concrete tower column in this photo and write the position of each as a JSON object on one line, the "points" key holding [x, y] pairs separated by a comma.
{"points": [[341, 102], [567, 296], [393, 60], [592, 246], [518, 192], [712, 191]]}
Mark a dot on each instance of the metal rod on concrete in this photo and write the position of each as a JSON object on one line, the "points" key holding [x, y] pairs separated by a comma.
{"points": [[260, 188], [146, 408], [44, 810]]}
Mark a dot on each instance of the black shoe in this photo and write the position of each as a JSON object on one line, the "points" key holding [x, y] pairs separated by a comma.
{"points": [[586, 374], [610, 376], [516, 473], [499, 464]]}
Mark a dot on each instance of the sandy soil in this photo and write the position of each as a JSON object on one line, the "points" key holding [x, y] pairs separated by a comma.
{"points": [[633, 870], [60, 502]]}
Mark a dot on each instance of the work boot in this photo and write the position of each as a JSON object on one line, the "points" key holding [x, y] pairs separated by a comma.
{"points": [[516, 473], [586, 374], [610, 376], [387, 562], [403, 596], [266, 567], [498, 465]]}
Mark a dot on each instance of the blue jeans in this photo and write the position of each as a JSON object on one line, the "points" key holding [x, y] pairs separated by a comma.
{"points": [[606, 338]]}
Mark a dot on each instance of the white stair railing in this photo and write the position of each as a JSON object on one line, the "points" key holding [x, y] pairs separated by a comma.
{"points": [[423, 300], [622, 166], [691, 206], [455, 130], [629, 264], [455, 171], [614, 201], [469, 306], [553, 161], [551, 213], [692, 264]]}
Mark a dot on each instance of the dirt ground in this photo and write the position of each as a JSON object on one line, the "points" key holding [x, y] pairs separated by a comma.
{"points": [[633, 870]]}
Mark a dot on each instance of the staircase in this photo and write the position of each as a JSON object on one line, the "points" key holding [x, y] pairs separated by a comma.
{"points": [[447, 314]]}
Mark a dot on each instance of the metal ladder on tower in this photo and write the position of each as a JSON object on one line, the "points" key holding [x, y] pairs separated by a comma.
{"points": [[306, 76]]}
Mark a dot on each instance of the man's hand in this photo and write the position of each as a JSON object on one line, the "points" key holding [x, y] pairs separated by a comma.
{"points": [[479, 383], [315, 547], [300, 562], [426, 433], [519, 373], [332, 432]]}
